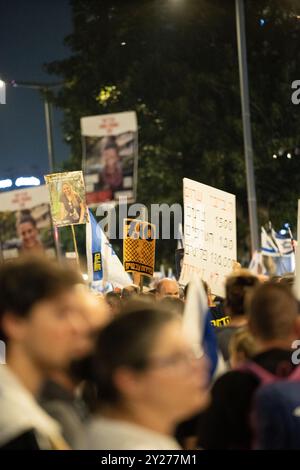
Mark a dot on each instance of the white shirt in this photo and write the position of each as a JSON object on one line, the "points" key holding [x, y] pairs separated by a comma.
{"points": [[110, 434], [19, 412]]}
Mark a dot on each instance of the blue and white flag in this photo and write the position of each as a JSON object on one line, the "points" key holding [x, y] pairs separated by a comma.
{"points": [[256, 265], [104, 266], [280, 248], [198, 329], [268, 244]]}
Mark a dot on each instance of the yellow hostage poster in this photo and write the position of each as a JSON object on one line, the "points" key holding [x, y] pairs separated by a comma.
{"points": [[139, 247]]}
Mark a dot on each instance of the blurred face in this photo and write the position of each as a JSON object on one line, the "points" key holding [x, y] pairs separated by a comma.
{"points": [[174, 385], [28, 234], [67, 190], [93, 314], [168, 288], [111, 158], [51, 333]]}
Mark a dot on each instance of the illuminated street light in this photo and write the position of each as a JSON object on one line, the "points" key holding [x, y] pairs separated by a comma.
{"points": [[27, 181], [7, 183]]}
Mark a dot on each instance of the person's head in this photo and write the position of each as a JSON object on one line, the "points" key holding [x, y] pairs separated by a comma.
{"points": [[111, 157], [173, 304], [38, 307], [167, 287], [113, 300], [237, 287], [93, 314], [242, 347], [274, 314], [288, 279], [67, 189], [143, 362], [28, 232], [130, 291]]}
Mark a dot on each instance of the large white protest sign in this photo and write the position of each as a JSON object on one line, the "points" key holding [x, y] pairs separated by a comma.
{"points": [[209, 234]]}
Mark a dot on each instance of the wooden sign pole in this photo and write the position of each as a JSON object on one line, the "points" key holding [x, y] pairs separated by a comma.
{"points": [[75, 245]]}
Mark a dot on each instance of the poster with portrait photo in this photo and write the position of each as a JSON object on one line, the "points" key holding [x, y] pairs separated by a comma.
{"points": [[110, 153], [25, 223], [67, 198]]}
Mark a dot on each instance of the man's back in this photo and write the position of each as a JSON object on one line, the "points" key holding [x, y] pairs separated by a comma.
{"points": [[226, 423]]}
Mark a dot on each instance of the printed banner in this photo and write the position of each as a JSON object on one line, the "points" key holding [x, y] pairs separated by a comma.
{"points": [[139, 247], [209, 234], [110, 153], [25, 223], [67, 198]]}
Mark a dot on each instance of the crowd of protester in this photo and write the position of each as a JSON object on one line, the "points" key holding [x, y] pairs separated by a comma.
{"points": [[117, 371]]}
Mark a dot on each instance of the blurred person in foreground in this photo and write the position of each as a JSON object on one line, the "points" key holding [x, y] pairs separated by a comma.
{"points": [[147, 380], [174, 304], [38, 307], [130, 291], [242, 347], [237, 287], [113, 300], [63, 394], [274, 323]]}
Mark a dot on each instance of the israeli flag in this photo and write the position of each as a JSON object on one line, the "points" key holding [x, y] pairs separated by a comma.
{"points": [[105, 270], [198, 329]]}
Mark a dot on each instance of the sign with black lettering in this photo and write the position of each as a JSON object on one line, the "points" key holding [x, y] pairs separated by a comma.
{"points": [[209, 234], [139, 247]]}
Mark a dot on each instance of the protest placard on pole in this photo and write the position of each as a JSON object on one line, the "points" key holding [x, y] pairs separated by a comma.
{"points": [[67, 198], [110, 155], [139, 248], [209, 234], [67, 201], [25, 223]]}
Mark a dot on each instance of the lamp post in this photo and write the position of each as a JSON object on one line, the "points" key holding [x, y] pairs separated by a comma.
{"points": [[243, 71], [44, 88]]}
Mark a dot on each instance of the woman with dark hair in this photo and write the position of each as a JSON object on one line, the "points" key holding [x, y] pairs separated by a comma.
{"points": [[147, 380], [29, 235], [112, 174]]}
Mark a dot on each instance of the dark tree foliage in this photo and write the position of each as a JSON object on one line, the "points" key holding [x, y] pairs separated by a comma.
{"points": [[175, 63]]}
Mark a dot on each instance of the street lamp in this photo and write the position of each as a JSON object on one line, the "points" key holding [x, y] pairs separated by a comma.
{"points": [[44, 88]]}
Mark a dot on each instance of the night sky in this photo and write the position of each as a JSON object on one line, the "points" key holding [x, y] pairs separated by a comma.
{"points": [[31, 34]]}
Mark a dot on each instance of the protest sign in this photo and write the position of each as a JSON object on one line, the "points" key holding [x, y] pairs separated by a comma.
{"points": [[110, 152], [25, 223], [67, 198], [139, 247], [209, 234]]}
